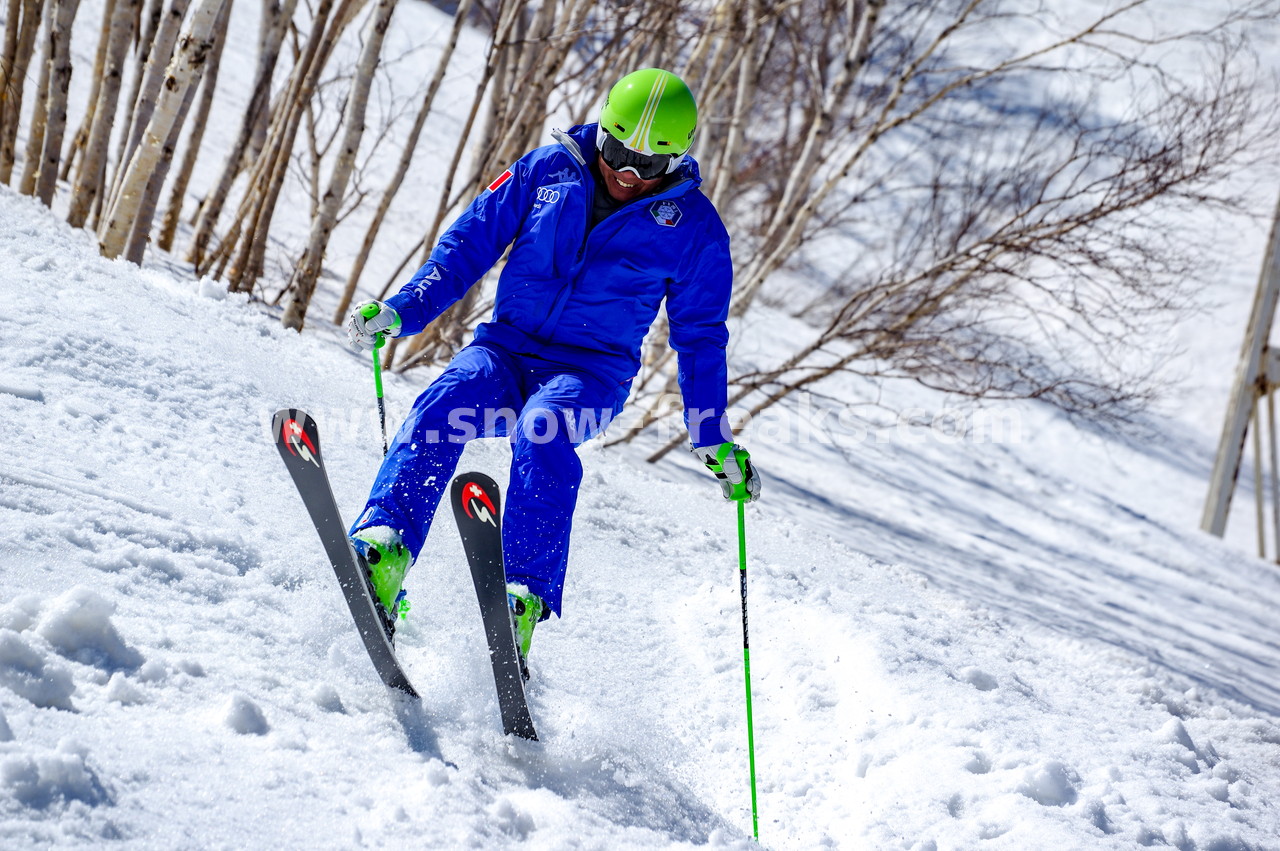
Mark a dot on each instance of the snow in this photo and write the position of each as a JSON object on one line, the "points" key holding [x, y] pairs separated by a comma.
{"points": [[1009, 636], [953, 644]]}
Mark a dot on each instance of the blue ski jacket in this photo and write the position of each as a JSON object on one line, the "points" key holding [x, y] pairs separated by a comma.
{"points": [[586, 300]]}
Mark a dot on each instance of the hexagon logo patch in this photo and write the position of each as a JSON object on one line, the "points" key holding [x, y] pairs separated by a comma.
{"points": [[666, 213]]}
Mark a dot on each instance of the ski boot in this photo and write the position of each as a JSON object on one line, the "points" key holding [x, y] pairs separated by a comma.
{"points": [[386, 561], [527, 609]]}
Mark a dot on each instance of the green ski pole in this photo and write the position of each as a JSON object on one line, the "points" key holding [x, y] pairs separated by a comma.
{"points": [[368, 312], [746, 661]]}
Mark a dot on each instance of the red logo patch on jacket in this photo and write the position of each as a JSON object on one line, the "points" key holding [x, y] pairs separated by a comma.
{"points": [[502, 178]]}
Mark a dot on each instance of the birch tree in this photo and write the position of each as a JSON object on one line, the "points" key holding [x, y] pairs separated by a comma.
{"points": [[245, 246], [22, 25], [154, 75], [40, 109], [1008, 196], [208, 85], [56, 105], [8, 57], [402, 168], [184, 71], [93, 165], [76, 146], [307, 269], [146, 27], [443, 331], [276, 19]]}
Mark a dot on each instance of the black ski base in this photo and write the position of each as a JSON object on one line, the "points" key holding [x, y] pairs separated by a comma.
{"points": [[476, 507], [298, 440]]}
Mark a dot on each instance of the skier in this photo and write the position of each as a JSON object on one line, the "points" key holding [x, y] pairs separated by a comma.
{"points": [[605, 223]]}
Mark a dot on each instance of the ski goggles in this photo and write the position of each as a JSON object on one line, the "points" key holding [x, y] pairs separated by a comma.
{"points": [[621, 158]]}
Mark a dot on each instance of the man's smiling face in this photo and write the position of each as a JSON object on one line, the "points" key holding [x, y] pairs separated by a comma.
{"points": [[624, 185]]}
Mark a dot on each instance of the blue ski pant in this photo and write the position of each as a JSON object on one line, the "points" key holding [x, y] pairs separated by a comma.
{"points": [[544, 409]]}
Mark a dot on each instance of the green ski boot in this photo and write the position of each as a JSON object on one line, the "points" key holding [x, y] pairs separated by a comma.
{"points": [[388, 561], [527, 609]]}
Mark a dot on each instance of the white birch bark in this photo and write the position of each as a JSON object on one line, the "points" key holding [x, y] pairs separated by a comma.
{"points": [[308, 268], [23, 31], [8, 59], [136, 245], [87, 183], [76, 146], [56, 110], [208, 86], [406, 158], [276, 19], [251, 256], [12, 26], [147, 23], [154, 75], [184, 71], [794, 210], [39, 113], [747, 70]]}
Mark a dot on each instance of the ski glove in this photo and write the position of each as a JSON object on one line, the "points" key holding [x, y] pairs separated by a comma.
{"points": [[368, 321], [732, 466]]}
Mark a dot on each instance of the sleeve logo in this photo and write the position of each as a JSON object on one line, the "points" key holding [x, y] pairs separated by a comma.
{"points": [[502, 178], [666, 213]]}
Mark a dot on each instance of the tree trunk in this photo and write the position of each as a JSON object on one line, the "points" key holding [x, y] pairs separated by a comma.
{"points": [[160, 51], [246, 267], [184, 71], [22, 30], [103, 112], [208, 85], [252, 219], [406, 157], [518, 113], [99, 74], [308, 268], [145, 25], [275, 23], [136, 246], [789, 217], [738, 116], [39, 114], [56, 111], [508, 17], [12, 26]]}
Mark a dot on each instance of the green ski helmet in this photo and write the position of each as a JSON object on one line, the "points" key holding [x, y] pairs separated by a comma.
{"points": [[651, 111]]}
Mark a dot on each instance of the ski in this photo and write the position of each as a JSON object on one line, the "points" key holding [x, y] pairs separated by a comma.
{"points": [[298, 440], [476, 504]]}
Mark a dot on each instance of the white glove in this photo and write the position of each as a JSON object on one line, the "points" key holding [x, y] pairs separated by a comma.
{"points": [[369, 321], [731, 465]]}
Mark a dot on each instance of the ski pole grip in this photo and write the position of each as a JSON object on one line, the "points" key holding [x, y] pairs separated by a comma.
{"points": [[369, 311]]}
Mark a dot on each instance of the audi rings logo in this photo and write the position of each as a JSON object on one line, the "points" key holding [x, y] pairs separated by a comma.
{"points": [[548, 196]]}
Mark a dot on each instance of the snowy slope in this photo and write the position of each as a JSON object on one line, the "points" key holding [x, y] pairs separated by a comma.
{"points": [[177, 668], [1020, 643]]}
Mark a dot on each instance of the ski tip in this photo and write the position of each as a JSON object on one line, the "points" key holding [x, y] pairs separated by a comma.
{"points": [[474, 478], [476, 497], [296, 435], [290, 414]]}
